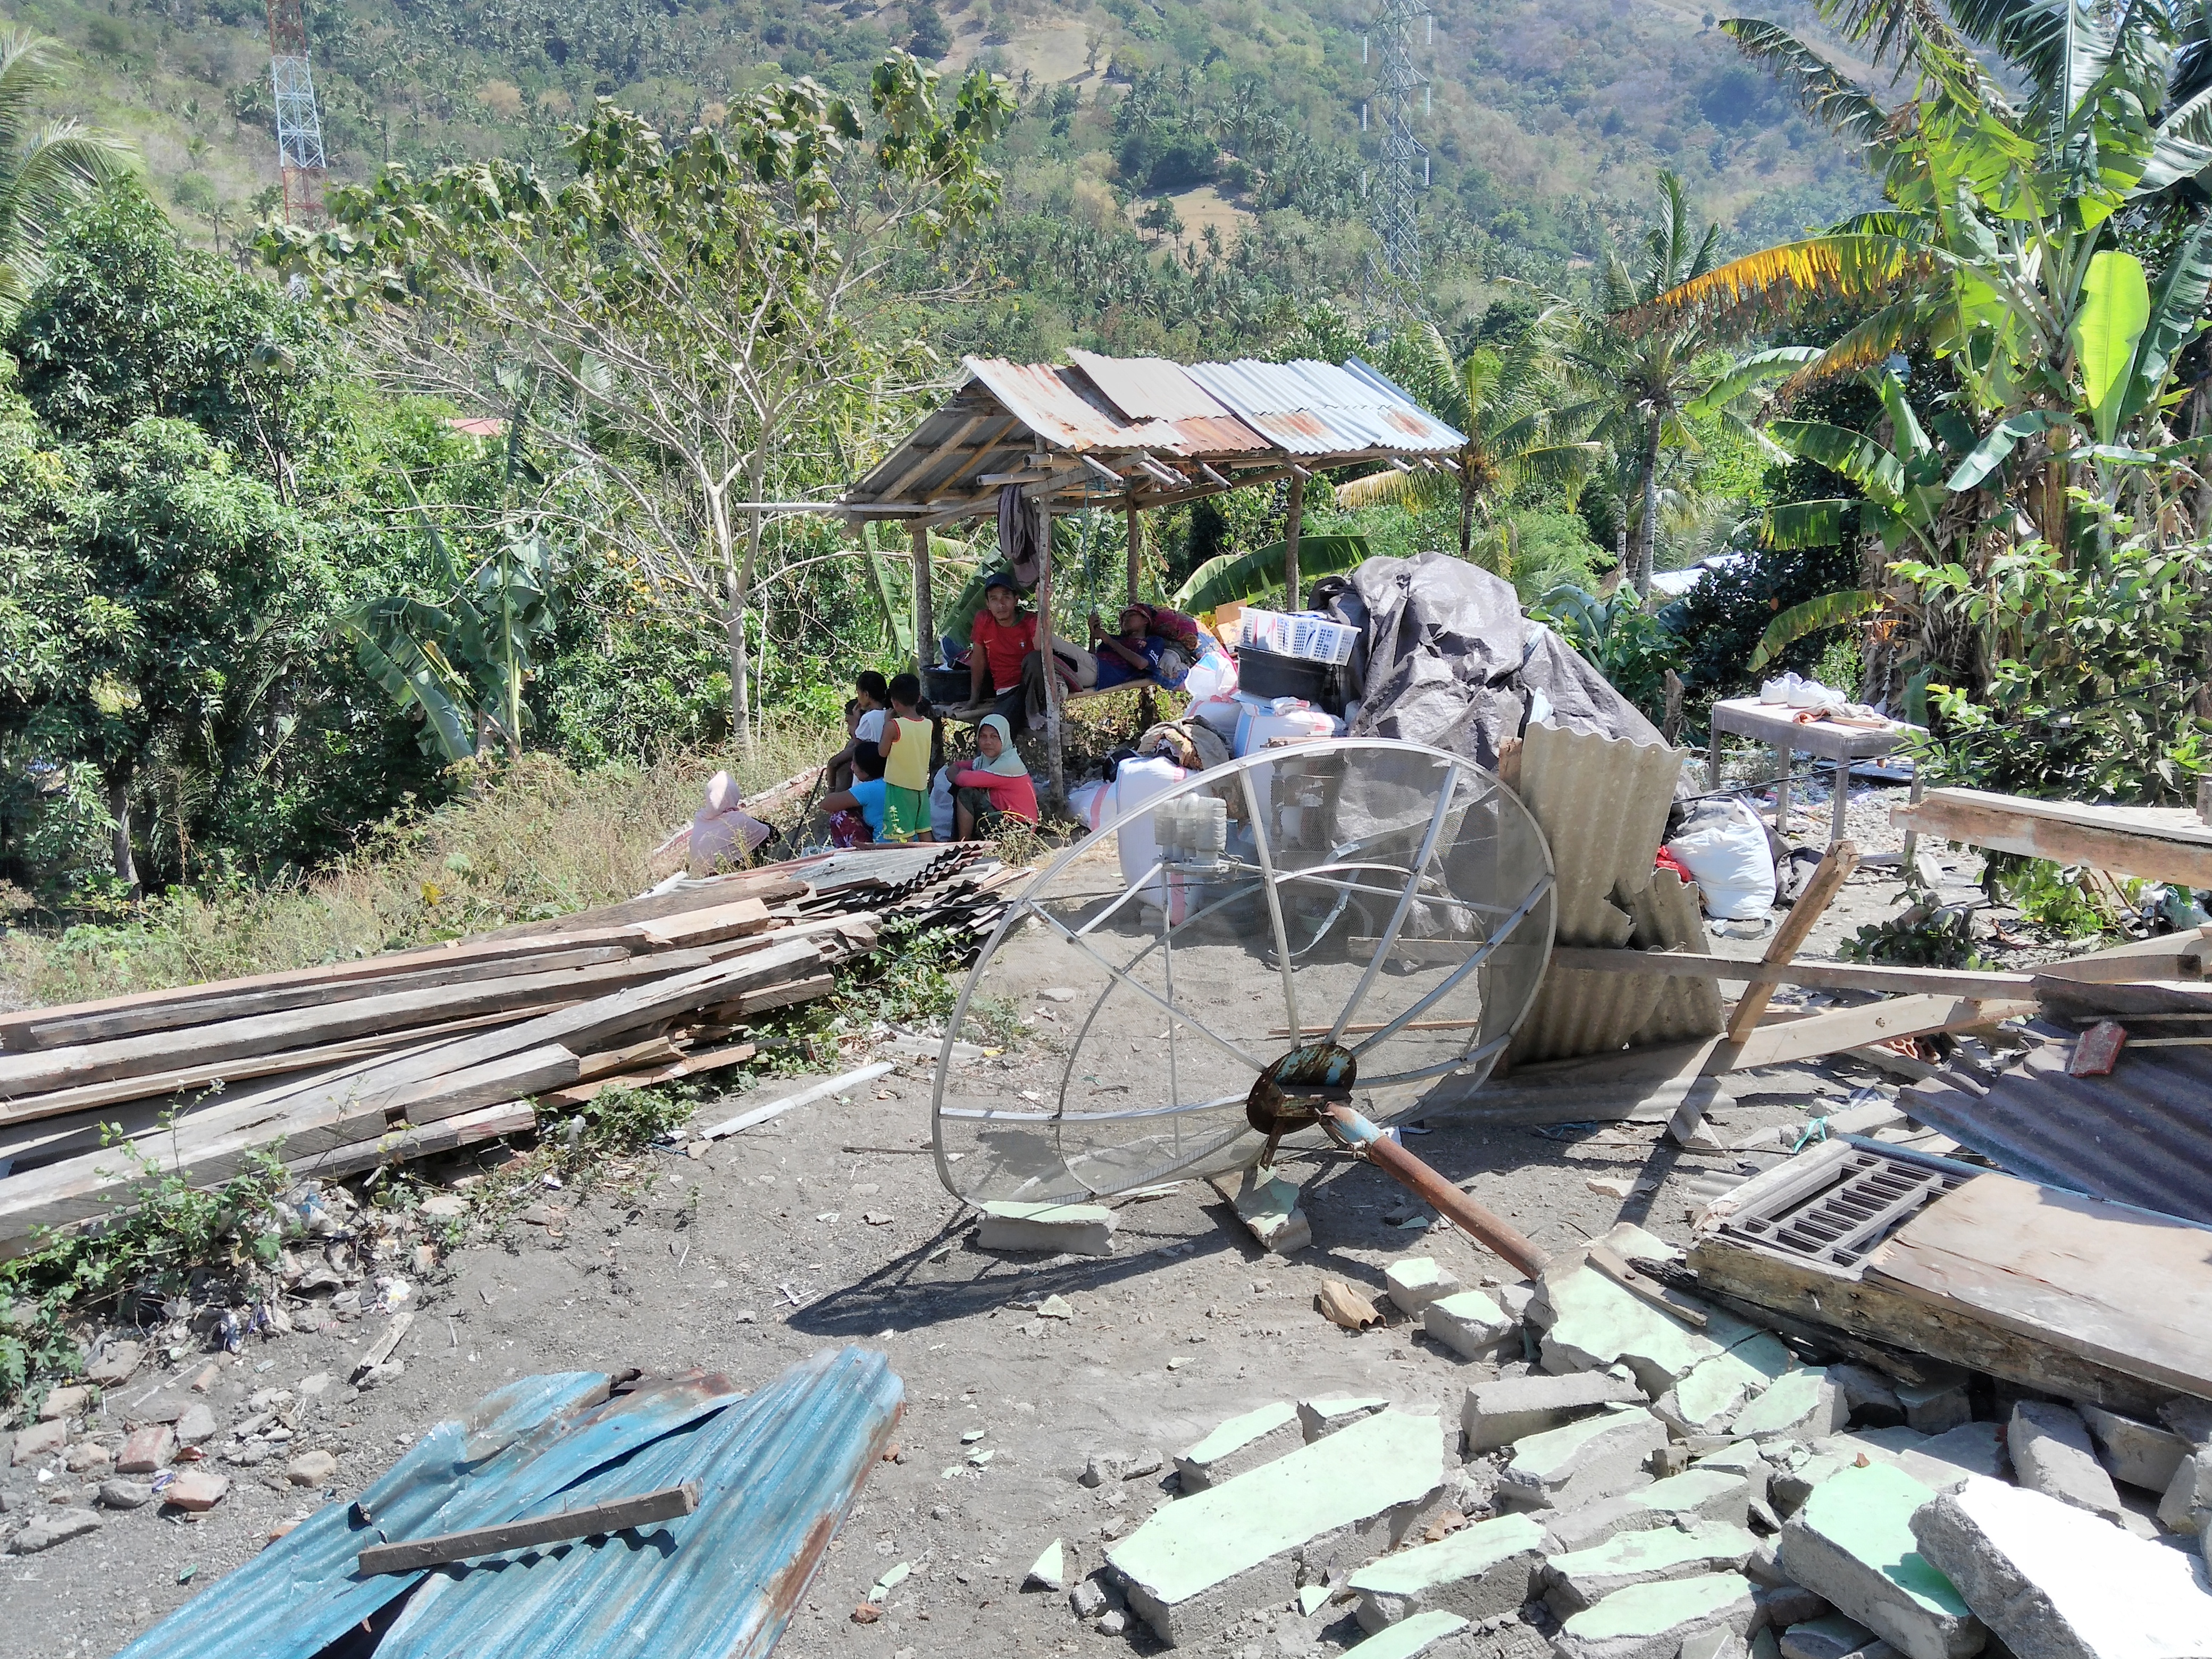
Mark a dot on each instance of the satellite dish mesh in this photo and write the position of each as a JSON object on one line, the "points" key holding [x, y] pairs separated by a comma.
{"points": [[1389, 898]]}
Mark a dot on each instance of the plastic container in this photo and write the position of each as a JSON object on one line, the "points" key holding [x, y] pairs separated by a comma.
{"points": [[1320, 640], [947, 687], [1220, 715], [1286, 718], [1266, 674]]}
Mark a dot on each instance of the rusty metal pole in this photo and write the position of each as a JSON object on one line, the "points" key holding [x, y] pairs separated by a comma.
{"points": [[1385, 1153]]}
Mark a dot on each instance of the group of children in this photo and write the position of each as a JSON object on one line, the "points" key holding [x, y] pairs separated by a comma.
{"points": [[881, 779]]}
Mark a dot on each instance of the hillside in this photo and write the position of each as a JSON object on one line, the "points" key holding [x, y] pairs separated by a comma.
{"points": [[1549, 116]]}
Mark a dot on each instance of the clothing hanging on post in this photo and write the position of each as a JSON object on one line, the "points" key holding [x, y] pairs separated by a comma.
{"points": [[1019, 542]]}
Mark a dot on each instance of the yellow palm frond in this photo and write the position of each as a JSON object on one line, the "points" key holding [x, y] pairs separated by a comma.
{"points": [[1755, 290], [1414, 489]]}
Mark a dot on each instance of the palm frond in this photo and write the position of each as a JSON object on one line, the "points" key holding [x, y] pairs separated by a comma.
{"points": [[1829, 610], [1565, 464], [1829, 96], [1869, 344], [1759, 288], [1390, 487], [1849, 455], [1750, 372]]}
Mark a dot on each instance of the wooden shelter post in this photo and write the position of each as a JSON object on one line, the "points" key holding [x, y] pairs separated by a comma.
{"points": [[1055, 770], [1290, 541], [925, 611], [1136, 546]]}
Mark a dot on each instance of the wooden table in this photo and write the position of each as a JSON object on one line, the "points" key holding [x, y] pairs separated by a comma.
{"points": [[1772, 724]]}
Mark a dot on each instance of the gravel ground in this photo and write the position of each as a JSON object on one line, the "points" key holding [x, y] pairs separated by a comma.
{"points": [[757, 1253]]}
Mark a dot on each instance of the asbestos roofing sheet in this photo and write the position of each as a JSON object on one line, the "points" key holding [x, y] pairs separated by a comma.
{"points": [[2140, 1136], [1311, 408], [776, 1474]]}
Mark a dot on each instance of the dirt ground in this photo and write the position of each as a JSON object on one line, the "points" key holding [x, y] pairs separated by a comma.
{"points": [[829, 1226]]}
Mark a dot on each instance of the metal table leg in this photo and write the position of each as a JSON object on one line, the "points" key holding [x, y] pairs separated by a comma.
{"points": [[1782, 793], [1843, 799], [1713, 760]]}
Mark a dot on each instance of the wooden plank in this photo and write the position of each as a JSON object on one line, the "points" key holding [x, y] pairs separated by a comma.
{"points": [[1878, 1022], [1828, 879], [52, 1069], [207, 1010], [2108, 1283], [739, 918], [511, 1077], [158, 1087], [408, 1142], [2167, 956], [708, 1060], [381, 1350], [1827, 975], [771, 887], [2157, 844], [586, 1521], [2097, 998], [1816, 1296]]}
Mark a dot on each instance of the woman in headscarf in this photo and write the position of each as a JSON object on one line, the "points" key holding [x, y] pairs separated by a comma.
{"points": [[996, 788]]}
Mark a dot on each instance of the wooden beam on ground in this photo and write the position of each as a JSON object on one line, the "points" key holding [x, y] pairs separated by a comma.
{"points": [[1827, 975], [2156, 843], [1830, 1033], [586, 1521], [1828, 879]]}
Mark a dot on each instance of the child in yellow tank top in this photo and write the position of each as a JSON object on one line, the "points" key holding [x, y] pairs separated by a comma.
{"points": [[905, 749]]}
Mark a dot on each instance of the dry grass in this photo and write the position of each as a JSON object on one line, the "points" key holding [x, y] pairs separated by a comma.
{"points": [[536, 840]]}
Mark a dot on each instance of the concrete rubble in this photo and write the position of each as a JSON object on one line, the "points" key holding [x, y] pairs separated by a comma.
{"points": [[1063, 1229], [2051, 1454]]}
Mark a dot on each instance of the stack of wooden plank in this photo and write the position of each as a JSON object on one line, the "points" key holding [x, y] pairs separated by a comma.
{"points": [[339, 1067]]}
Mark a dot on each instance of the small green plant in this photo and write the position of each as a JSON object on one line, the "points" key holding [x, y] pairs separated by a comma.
{"points": [[2059, 901], [1926, 936]]}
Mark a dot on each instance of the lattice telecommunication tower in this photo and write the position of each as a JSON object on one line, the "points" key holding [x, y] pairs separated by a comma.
{"points": [[299, 123]]}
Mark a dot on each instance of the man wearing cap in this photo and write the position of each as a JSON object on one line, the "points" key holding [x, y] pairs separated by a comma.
{"points": [[1002, 641]]}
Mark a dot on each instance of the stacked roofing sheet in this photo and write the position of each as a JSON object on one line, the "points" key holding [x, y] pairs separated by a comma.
{"points": [[1144, 431]]}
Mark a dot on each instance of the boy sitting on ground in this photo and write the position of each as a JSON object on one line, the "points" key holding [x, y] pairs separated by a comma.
{"points": [[856, 815]]}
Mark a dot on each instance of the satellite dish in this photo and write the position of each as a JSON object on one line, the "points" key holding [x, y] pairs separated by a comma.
{"points": [[1367, 918]]}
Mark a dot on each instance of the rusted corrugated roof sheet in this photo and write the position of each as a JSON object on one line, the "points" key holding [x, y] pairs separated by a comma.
{"points": [[776, 1474], [1046, 400], [1154, 389], [2140, 1136], [1312, 408]]}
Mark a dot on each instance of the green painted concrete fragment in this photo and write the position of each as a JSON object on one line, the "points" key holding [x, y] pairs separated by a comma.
{"points": [[1377, 1464], [1540, 1455], [1655, 1551], [1595, 1318], [1648, 1609], [1462, 1554], [1783, 1404], [1243, 1431], [1867, 1513], [1715, 1387], [1404, 1640], [1052, 1215], [1680, 1493]]}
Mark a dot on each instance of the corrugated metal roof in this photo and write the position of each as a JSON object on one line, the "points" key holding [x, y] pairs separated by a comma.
{"points": [[2141, 1136], [1154, 389], [1045, 400], [776, 1475], [1312, 408]]}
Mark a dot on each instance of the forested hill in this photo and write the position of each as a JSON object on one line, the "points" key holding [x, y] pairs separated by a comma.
{"points": [[1549, 117]]}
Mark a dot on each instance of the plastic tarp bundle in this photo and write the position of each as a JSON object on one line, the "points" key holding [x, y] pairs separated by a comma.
{"points": [[1449, 661]]}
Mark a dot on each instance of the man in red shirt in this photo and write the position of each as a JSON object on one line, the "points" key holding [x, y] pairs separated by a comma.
{"points": [[1002, 641]]}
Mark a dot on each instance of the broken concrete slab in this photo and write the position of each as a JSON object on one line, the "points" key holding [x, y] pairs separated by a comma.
{"points": [[1195, 1565], [1782, 1604], [1049, 1571], [196, 1425], [1417, 1280], [1712, 1644], [1268, 1206], [1871, 1397], [1830, 1636], [1513, 1408], [63, 1402], [1799, 1406], [39, 1440], [1065, 1229], [1480, 1571], [114, 1365], [2137, 1454], [1319, 1416], [2188, 1501], [1938, 1401], [1942, 1461], [1416, 1635], [1652, 1621], [2190, 1418], [1707, 1401], [56, 1526], [1589, 1322], [1471, 1325], [1581, 1461], [1686, 1500], [2051, 1454], [1242, 1443], [2055, 1583], [1852, 1542], [1582, 1578]]}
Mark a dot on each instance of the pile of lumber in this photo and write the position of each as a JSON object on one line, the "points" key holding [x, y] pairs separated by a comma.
{"points": [[340, 1067]]}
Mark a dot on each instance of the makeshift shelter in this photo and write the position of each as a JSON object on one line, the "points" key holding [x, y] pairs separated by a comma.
{"points": [[1134, 433]]}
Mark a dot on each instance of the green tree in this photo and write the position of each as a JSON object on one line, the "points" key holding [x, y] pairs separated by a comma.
{"points": [[45, 167], [698, 327], [1642, 368], [1500, 399]]}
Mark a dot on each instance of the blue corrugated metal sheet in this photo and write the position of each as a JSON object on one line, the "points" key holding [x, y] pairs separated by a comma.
{"points": [[1312, 408], [2141, 1136], [514, 1449], [776, 1473]]}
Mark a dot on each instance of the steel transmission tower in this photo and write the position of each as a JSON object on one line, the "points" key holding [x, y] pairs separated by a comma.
{"points": [[298, 124], [1392, 198]]}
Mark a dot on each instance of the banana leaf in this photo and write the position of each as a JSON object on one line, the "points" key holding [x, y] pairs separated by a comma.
{"points": [[1829, 610], [1234, 576]]}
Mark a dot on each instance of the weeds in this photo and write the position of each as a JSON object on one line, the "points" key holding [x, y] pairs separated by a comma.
{"points": [[1926, 936], [2063, 901]]}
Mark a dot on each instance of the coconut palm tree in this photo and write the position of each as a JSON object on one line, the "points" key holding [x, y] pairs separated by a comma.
{"points": [[45, 167], [1500, 398], [1643, 370]]}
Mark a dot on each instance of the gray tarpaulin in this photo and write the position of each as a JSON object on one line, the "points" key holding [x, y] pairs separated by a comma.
{"points": [[1449, 660]]}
